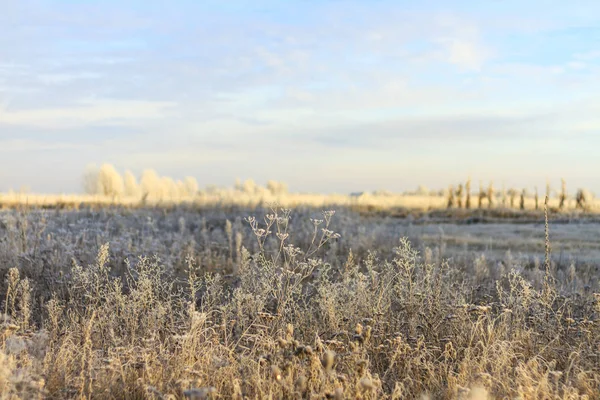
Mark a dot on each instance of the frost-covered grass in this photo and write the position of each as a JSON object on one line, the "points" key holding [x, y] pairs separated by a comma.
{"points": [[188, 302]]}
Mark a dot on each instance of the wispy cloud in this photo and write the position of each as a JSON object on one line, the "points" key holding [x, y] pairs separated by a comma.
{"points": [[88, 112], [465, 54]]}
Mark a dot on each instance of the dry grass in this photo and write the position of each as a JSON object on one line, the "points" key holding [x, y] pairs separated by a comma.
{"points": [[280, 306], [230, 198]]}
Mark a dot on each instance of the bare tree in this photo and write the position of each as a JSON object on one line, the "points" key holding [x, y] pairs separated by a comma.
{"points": [[459, 194], [468, 193], [512, 193], [482, 195], [450, 197], [563, 194], [490, 195], [582, 198]]}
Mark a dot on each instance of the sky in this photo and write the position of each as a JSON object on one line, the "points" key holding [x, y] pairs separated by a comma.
{"points": [[328, 96]]}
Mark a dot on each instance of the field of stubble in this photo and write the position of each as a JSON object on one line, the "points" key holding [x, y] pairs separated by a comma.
{"points": [[173, 303]]}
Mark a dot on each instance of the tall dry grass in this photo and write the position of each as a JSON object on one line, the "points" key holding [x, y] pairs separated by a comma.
{"points": [[278, 306]]}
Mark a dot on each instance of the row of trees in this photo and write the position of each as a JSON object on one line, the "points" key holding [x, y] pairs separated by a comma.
{"points": [[107, 181], [508, 197], [250, 187]]}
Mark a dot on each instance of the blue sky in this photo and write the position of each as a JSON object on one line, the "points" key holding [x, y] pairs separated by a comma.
{"points": [[330, 96]]}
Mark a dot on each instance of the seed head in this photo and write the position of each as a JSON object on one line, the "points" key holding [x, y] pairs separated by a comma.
{"points": [[358, 330], [289, 331], [276, 372], [367, 334], [328, 360], [301, 384], [367, 384]]}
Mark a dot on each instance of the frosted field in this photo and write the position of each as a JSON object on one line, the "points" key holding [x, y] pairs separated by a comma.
{"points": [[574, 241], [49, 239], [182, 302]]}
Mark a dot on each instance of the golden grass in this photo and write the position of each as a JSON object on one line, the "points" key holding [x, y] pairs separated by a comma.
{"points": [[288, 200]]}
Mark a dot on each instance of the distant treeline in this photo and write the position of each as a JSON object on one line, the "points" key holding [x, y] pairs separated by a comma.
{"points": [[462, 196], [107, 181]]}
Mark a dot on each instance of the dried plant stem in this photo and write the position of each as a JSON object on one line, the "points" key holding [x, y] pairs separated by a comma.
{"points": [[547, 237], [548, 280]]}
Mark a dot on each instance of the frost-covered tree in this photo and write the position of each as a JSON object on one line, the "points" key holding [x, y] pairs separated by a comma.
{"points": [[277, 188], [150, 184], [132, 189], [110, 182], [238, 185], [181, 190], [249, 186], [191, 185], [107, 181], [169, 188]]}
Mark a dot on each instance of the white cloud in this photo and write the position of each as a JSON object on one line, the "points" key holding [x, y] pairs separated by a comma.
{"points": [[88, 112], [58, 78], [528, 71], [28, 145], [588, 56], [468, 55], [577, 65]]}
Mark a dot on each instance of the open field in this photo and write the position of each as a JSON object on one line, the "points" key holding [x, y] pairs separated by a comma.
{"points": [[232, 198], [299, 200], [325, 306]]}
